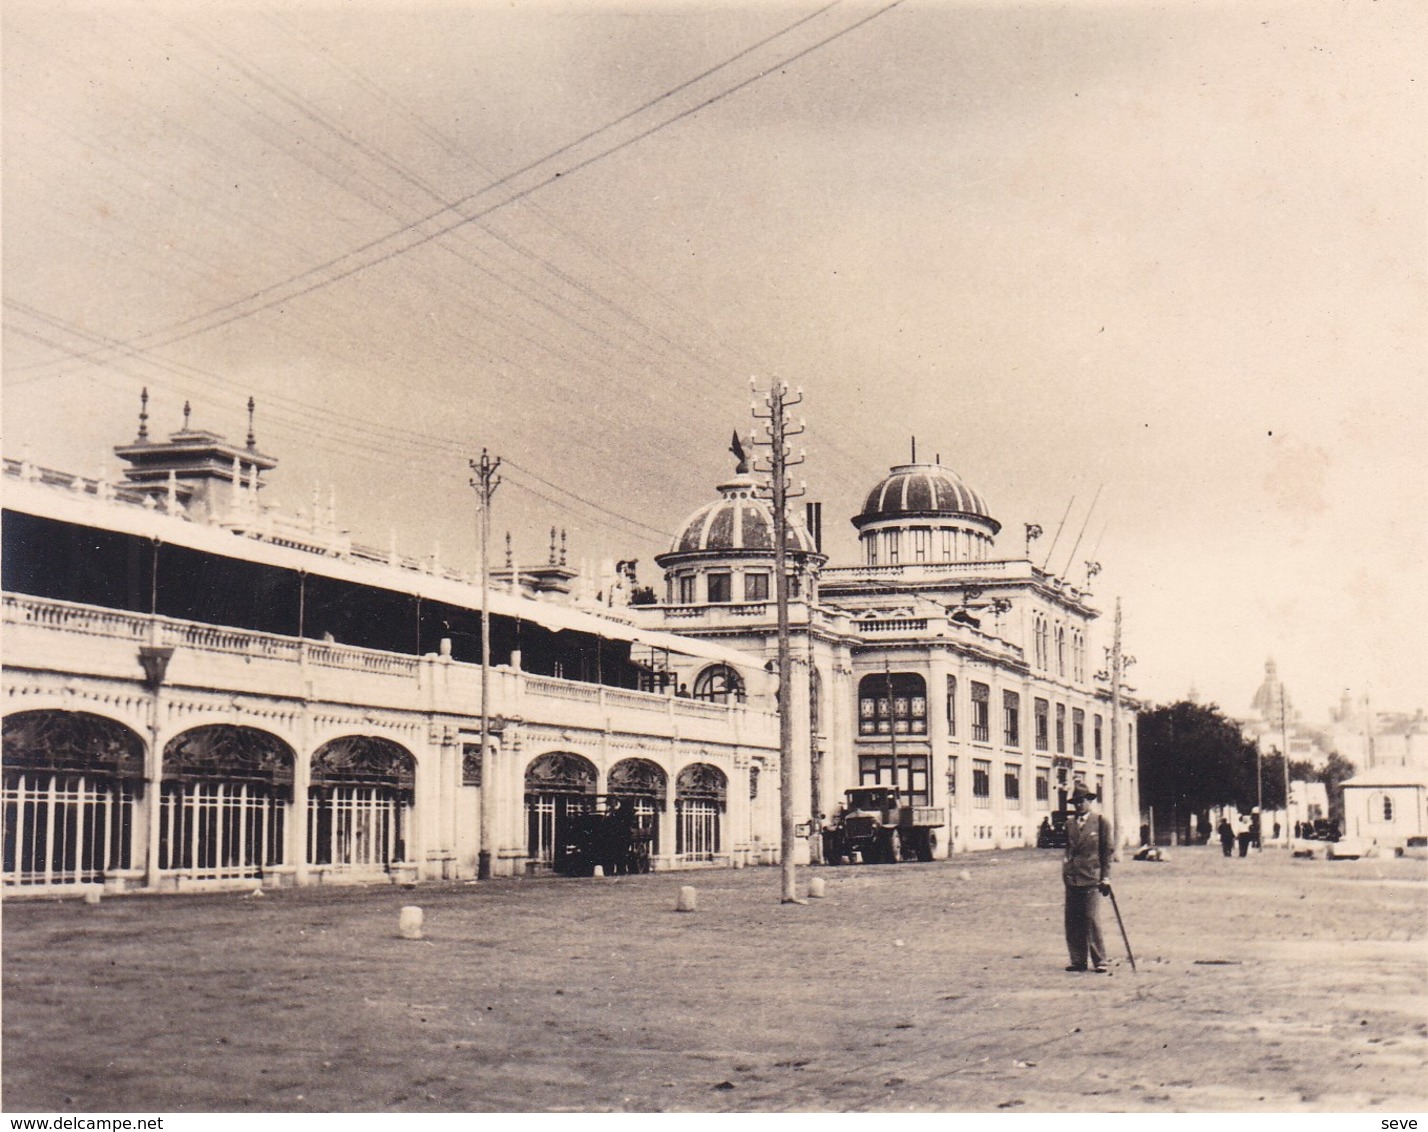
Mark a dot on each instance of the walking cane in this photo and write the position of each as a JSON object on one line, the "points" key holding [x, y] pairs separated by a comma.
{"points": [[1111, 892]]}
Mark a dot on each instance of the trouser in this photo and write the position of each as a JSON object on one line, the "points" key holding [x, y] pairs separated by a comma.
{"points": [[1228, 845], [1083, 925]]}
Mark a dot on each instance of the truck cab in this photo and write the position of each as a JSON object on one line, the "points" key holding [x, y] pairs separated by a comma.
{"points": [[874, 826]]}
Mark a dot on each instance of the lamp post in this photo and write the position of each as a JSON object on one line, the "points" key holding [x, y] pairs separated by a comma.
{"points": [[155, 661]]}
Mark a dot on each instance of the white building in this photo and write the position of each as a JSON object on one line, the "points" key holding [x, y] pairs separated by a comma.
{"points": [[1386, 805], [962, 675], [199, 692]]}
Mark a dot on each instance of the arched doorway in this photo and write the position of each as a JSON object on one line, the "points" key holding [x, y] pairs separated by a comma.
{"points": [[359, 804], [700, 796], [70, 784], [646, 787], [559, 785], [224, 801]]}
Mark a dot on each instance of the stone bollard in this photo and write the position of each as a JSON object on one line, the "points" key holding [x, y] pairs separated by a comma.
{"points": [[597, 871], [410, 923], [688, 899], [815, 887], [92, 896]]}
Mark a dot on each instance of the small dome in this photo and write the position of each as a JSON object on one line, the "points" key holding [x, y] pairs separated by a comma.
{"points": [[739, 520], [923, 490]]}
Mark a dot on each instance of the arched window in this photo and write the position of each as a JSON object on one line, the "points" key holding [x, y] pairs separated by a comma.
{"points": [[700, 792], [1060, 650], [646, 786], [359, 803], [225, 795], [559, 785], [719, 684], [905, 710], [70, 783]]}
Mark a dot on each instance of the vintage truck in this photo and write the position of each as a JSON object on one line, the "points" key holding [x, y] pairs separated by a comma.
{"points": [[875, 827], [611, 836]]}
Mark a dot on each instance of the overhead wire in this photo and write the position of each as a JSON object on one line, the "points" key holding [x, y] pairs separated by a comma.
{"points": [[180, 331], [110, 345], [369, 436]]}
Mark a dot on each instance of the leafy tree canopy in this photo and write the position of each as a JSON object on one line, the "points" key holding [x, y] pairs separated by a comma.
{"points": [[1193, 758]]}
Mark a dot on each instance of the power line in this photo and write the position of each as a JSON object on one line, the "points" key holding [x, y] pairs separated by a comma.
{"points": [[176, 332]]}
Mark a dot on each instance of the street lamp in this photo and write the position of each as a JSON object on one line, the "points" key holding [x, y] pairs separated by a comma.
{"points": [[154, 659]]}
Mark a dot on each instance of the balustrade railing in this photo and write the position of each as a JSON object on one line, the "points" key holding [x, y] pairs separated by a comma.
{"points": [[562, 689], [139, 628], [895, 625], [71, 618]]}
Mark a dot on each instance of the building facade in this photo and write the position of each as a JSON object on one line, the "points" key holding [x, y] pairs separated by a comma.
{"points": [[198, 692], [962, 676]]}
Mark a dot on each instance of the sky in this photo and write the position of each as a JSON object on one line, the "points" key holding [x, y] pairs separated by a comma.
{"points": [[1149, 275]]}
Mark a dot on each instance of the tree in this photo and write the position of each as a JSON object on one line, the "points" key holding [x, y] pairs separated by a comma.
{"points": [[1192, 758], [1332, 774]]}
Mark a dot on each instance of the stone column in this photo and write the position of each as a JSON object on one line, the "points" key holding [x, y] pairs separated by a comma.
{"points": [[668, 829]]}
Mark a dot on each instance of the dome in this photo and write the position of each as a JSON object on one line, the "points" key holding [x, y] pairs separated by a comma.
{"points": [[923, 491], [738, 521]]}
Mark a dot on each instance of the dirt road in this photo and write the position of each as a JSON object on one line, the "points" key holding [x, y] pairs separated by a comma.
{"points": [[1264, 984]]}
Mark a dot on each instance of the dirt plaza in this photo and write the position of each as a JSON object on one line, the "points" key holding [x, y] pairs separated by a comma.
{"points": [[1264, 984]]}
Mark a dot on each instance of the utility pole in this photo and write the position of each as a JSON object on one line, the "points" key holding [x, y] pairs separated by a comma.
{"points": [[485, 482], [1119, 661], [1116, 729], [892, 725], [778, 401], [1284, 742]]}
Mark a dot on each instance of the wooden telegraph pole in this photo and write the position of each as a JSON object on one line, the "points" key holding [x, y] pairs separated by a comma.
{"points": [[1116, 664], [778, 401], [485, 482], [892, 729], [1284, 747]]}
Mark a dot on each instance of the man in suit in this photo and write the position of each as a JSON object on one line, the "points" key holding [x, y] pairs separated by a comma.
{"points": [[1086, 874]]}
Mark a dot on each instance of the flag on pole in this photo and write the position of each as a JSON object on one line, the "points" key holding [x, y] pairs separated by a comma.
{"points": [[737, 448]]}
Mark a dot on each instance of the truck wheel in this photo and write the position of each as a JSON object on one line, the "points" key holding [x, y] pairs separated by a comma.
{"points": [[888, 852]]}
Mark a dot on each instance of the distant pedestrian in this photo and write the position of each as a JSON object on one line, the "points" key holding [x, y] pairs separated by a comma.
{"points": [[1244, 835], [1227, 837], [1086, 875]]}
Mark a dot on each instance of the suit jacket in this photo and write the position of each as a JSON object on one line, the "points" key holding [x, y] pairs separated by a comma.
{"points": [[1089, 848]]}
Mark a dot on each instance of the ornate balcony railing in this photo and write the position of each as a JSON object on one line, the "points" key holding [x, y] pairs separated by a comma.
{"points": [[84, 621]]}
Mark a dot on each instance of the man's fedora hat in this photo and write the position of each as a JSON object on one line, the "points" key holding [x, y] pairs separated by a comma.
{"points": [[1080, 791]]}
